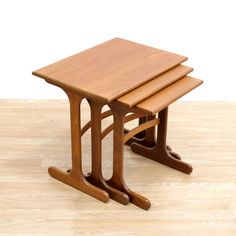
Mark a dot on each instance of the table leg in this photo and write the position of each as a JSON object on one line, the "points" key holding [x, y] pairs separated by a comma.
{"points": [[161, 152], [76, 178], [96, 177], [138, 137], [142, 134], [146, 137], [117, 179]]}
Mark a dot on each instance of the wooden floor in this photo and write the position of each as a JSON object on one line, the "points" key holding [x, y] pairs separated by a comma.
{"points": [[36, 134]]}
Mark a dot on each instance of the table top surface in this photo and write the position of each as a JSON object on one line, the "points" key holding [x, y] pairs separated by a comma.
{"points": [[111, 69]]}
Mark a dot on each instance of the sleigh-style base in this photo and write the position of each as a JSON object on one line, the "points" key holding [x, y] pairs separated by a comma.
{"points": [[79, 183]]}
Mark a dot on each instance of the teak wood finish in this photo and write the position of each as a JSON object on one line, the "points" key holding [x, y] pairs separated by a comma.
{"points": [[104, 72], [156, 149], [95, 176], [136, 82], [153, 86], [169, 94], [76, 178]]}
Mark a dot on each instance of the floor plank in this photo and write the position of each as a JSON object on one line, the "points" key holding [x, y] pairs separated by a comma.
{"points": [[35, 134]]}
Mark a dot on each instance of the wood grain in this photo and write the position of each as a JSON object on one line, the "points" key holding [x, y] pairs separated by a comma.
{"points": [[75, 178], [117, 179], [153, 86], [36, 134], [110, 69], [140, 128], [166, 96]]}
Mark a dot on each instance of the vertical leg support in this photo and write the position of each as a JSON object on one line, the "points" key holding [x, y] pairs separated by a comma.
{"points": [[146, 137], [76, 178], [161, 152], [117, 179], [96, 177]]}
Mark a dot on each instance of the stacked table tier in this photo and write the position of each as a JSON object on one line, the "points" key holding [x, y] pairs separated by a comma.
{"points": [[130, 73], [161, 91]]}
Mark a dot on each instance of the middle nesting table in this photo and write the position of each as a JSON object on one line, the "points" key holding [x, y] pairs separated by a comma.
{"points": [[129, 78]]}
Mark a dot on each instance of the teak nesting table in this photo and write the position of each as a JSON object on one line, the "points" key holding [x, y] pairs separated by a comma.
{"points": [[136, 82]]}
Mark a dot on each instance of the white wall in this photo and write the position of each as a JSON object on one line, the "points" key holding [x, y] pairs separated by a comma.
{"points": [[36, 33]]}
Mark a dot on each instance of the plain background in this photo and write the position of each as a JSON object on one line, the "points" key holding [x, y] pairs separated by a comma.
{"points": [[36, 33]]}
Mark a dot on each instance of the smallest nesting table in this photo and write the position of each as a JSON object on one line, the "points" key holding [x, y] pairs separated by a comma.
{"points": [[136, 82]]}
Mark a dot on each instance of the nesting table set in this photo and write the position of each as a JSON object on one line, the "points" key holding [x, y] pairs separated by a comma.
{"points": [[136, 82]]}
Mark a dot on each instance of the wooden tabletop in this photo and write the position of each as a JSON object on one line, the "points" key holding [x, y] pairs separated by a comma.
{"points": [[111, 69]]}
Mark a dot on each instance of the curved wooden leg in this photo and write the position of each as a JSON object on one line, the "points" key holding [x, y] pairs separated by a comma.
{"points": [[138, 137], [142, 134], [146, 137], [161, 152], [135, 198], [162, 156], [96, 177], [173, 154], [150, 139], [117, 180], [76, 178], [80, 184]]}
